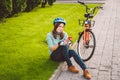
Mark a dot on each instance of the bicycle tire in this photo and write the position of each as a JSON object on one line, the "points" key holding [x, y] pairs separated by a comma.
{"points": [[83, 52]]}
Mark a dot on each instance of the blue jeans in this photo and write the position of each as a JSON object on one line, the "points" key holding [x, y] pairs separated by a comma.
{"points": [[62, 53]]}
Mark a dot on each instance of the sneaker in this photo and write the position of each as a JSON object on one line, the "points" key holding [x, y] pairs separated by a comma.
{"points": [[73, 69], [87, 74]]}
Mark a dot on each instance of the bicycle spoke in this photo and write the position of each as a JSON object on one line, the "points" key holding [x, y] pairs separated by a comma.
{"points": [[91, 46], [86, 51]]}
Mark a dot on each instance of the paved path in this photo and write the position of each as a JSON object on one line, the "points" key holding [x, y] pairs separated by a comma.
{"points": [[105, 63]]}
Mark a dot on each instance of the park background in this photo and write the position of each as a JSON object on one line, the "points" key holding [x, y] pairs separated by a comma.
{"points": [[23, 29]]}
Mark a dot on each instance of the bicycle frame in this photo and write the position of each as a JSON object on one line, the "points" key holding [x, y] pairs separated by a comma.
{"points": [[87, 22], [86, 34], [86, 40]]}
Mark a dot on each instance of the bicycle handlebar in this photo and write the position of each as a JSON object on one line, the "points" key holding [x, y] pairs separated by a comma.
{"points": [[82, 3], [100, 7], [93, 10]]}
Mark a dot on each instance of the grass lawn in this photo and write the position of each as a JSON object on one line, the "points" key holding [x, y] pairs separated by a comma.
{"points": [[23, 49]]}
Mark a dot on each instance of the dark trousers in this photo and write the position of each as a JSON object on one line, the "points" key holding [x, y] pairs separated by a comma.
{"points": [[62, 53]]}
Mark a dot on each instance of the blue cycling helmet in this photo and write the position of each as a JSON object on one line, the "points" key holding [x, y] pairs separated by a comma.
{"points": [[57, 20]]}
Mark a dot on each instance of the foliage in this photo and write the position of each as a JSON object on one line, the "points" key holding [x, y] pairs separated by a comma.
{"points": [[18, 6], [10, 7], [5, 8], [50, 2], [32, 4]]}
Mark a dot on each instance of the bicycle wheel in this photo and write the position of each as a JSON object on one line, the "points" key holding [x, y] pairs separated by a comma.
{"points": [[86, 51]]}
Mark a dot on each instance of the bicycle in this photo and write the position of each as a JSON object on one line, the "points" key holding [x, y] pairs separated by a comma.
{"points": [[86, 40]]}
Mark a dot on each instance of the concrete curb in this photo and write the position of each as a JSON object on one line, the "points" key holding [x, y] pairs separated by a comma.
{"points": [[58, 71]]}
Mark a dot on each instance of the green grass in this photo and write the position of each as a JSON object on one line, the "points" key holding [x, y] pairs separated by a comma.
{"points": [[23, 49]]}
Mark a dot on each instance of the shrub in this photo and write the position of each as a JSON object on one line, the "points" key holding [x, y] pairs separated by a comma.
{"points": [[32, 4], [11, 7], [50, 2], [5, 8], [18, 6], [44, 2]]}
